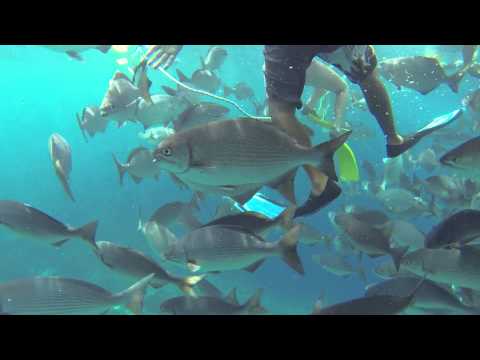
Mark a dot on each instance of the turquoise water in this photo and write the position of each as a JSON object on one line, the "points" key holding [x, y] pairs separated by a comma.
{"points": [[41, 93]]}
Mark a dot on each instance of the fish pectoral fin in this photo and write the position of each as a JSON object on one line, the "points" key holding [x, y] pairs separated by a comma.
{"points": [[58, 168], [60, 243], [192, 266]]}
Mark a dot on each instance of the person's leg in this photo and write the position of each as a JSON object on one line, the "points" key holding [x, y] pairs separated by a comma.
{"points": [[378, 102], [285, 80], [283, 116]]}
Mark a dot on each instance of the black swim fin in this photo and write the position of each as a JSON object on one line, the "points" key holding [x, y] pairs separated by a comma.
{"points": [[411, 140]]}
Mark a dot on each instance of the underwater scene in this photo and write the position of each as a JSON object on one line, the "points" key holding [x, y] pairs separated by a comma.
{"points": [[240, 180]]}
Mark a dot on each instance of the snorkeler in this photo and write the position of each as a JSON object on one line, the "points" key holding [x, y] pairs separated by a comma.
{"points": [[285, 75]]}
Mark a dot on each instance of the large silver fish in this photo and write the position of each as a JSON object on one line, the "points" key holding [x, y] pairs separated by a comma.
{"points": [[233, 153], [372, 305], [135, 265], [429, 296], [420, 73], [62, 296], [61, 156], [369, 239], [202, 79], [457, 229], [139, 165], [159, 238], [26, 220], [206, 305], [223, 248], [448, 266]]}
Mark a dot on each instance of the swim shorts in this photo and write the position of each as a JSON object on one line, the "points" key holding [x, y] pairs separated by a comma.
{"points": [[286, 65]]}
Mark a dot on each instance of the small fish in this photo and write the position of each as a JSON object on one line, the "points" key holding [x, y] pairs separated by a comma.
{"points": [[121, 100], [241, 91], [135, 265], [420, 73], [92, 121], [372, 305], [223, 248], [445, 187], [339, 266], [456, 230], [369, 239], [156, 135], [430, 296], [215, 58], [202, 79], [139, 165], [199, 114], [212, 306], [74, 50], [464, 157], [62, 296], [162, 110], [61, 156], [234, 153], [26, 220]]}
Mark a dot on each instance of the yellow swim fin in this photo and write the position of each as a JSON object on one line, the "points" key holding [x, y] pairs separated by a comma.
{"points": [[345, 157]]}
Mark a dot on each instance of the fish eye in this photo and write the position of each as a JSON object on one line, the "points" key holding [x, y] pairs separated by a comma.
{"points": [[167, 151]]}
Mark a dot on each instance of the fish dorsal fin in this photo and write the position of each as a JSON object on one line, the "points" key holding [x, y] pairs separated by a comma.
{"points": [[119, 76], [182, 77], [135, 152], [232, 297]]}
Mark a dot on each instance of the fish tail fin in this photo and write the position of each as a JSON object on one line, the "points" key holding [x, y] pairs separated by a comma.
{"points": [[104, 48], [397, 254], [88, 232], [231, 297], [227, 90], [454, 80], [195, 202], [121, 168], [182, 77], [134, 295], [253, 305], [186, 284], [288, 249], [326, 151], [66, 187]]}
